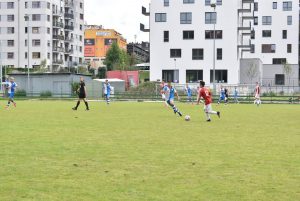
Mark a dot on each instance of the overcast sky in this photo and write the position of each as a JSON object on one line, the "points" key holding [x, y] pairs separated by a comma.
{"points": [[122, 15]]}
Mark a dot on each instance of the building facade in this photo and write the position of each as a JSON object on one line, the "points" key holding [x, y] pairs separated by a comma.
{"points": [[97, 42], [241, 41], [140, 51], [45, 33]]}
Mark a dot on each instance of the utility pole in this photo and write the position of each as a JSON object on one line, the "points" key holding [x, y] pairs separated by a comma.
{"points": [[214, 49]]}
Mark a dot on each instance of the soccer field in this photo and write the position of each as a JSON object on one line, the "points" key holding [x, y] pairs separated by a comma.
{"points": [[143, 152]]}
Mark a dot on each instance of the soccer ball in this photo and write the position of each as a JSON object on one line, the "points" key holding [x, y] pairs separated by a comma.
{"points": [[187, 118]]}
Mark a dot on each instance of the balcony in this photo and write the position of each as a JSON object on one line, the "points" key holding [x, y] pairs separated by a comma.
{"points": [[69, 15], [69, 51], [57, 13], [69, 39], [69, 27], [57, 62], [58, 25], [58, 49], [58, 37], [69, 4]]}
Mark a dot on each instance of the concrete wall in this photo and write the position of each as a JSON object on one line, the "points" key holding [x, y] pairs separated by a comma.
{"points": [[269, 72], [250, 65]]}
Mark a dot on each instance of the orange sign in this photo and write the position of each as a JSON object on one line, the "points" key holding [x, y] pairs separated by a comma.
{"points": [[89, 51]]}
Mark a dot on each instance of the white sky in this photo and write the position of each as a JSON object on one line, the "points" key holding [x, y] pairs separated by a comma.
{"points": [[124, 16]]}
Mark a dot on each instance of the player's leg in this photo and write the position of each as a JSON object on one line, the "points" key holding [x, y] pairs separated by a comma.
{"points": [[175, 109], [86, 104], [209, 110], [77, 105], [107, 99]]}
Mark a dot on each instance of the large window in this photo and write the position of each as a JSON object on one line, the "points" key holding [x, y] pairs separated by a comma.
{"points": [[268, 48], [188, 35], [10, 18], [10, 55], [287, 5], [289, 20], [160, 17], [266, 33], [219, 53], [170, 75], [194, 75], [267, 20], [219, 2], [209, 34], [197, 54], [279, 79], [36, 17], [255, 6], [36, 55], [207, 2], [210, 18], [284, 34], [220, 76], [36, 30], [188, 1], [10, 30], [166, 3], [10, 5], [10, 43], [186, 18], [274, 5], [36, 42], [175, 53], [36, 4], [166, 36]]}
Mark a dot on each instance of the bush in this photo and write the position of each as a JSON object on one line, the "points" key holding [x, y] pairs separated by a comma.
{"points": [[271, 94], [20, 93], [281, 93], [45, 94], [75, 86]]}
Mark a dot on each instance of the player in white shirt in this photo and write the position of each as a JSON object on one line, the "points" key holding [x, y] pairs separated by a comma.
{"points": [[257, 100]]}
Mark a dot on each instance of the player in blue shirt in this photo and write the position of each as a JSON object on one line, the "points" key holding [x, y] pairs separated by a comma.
{"points": [[188, 92], [222, 95], [170, 93], [11, 92], [107, 91]]}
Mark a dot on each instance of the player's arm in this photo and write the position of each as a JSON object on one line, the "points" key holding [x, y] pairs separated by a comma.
{"points": [[199, 98]]}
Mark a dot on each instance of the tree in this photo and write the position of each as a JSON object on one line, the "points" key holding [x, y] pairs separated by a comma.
{"points": [[287, 70], [113, 55], [252, 72]]}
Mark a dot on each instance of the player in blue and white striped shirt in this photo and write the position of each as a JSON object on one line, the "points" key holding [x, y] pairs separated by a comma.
{"points": [[107, 91], [170, 93], [11, 92], [188, 92]]}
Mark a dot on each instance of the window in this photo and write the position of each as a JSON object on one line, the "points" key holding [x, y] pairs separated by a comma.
{"points": [[36, 4], [10, 5], [194, 76], [289, 48], [252, 48], [48, 5], [209, 34], [188, 1], [36, 55], [207, 2], [255, 20], [166, 3], [274, 5], [220, 76], [81, 16], [36, 17], [197, 54], [219, 53], [48, 55], [166, 36], [26, 54], [160, 17], [266, 33], [255, 6], [186, 18], [10, 18], [219, 2], [267, 20], [80, 27], [253, 34], [279, 60], [284, 34], [287, 6], [268, 48], [48, 18], [175, 53], [10, 43], [210, 17], [36, 42], [289, 20], [10, 55], [10, 30], [35, 30], [170, 75], [48, 30], [25, 43], [188, 35], [26, 4], [279, 79]]}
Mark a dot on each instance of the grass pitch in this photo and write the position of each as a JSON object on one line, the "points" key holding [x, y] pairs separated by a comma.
{"points": [[142, 151]]}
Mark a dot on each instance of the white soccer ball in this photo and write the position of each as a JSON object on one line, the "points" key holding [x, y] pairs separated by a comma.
{"points": [[187, 118]]}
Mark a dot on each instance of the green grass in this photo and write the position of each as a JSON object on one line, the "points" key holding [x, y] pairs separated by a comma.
{"points": [[142, 151]]}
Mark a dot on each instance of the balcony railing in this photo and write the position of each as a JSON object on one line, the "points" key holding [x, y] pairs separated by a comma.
{"points": [[69, 4], [58, 49], [57, 13], [69, 51], [69, 27], [69, 15], [58, 24], [58, 37], [58, 61], [69, 39]]}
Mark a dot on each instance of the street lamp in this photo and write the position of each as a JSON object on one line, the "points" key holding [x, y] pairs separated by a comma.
{"points": [[26, 17], [213, 5], [175, 72]]}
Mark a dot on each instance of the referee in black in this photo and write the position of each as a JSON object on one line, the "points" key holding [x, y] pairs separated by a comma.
{"points": [[81, 94]]}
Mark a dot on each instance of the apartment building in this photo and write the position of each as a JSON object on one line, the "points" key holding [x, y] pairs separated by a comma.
{"points": [[45, 33], [242, 41]]}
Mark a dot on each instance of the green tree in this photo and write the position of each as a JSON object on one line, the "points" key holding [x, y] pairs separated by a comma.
{"points": [[113, 57]]}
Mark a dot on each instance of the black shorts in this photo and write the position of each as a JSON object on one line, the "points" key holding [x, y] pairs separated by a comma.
{"points": [[81, 95]]}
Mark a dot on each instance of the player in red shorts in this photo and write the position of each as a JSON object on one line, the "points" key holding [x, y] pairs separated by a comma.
{"points": [[206, 95], [257, 100]]}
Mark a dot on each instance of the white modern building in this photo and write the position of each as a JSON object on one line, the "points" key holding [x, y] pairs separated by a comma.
{"points": [[242, 41], [46, 33]]}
